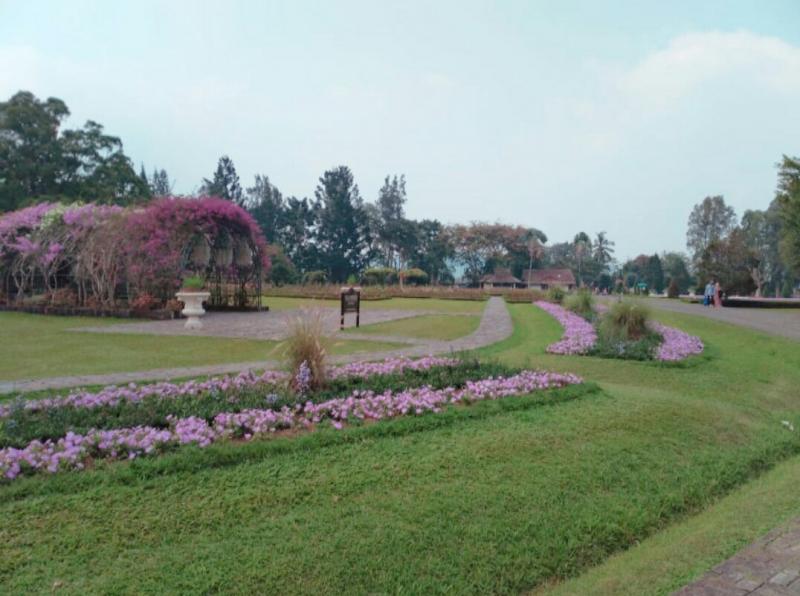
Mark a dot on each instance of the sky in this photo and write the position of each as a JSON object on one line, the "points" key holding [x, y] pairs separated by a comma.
{"points": [[564, 116]]}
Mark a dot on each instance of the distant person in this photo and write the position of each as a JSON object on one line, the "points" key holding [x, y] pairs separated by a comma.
{"points": [[717, 295], [708, 293]]}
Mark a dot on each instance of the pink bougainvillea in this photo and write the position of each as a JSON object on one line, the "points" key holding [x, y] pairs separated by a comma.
{"points": [[161, 232], [145, 245]]}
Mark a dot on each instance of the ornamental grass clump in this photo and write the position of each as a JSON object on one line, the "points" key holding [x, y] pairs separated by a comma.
{"points": [[305, 352], [625, 320], [581, 303]]}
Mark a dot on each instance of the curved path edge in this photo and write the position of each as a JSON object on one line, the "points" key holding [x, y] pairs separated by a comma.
{"points": [[495, 326]]}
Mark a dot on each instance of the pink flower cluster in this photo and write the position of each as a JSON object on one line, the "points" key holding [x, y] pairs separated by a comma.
{"points": [[677, 344], [72, 451], [113, 395], [579, 335], [389, 366]]}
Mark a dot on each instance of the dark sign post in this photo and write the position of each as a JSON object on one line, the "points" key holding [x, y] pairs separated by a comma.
{"points": [[351, 302]]}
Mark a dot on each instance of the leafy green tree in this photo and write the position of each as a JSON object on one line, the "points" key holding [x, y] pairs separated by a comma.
{"points": [[342, 234], [788, 197], [731, 261], [676, 268], [762, 231], [224, 183], [433, 249], [392, 232], [710, 221], [265, 203], [37, 160], [30, 148], [95, 169], [296, 234]]}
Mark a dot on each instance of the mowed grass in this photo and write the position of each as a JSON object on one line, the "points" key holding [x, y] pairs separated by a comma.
{"points": [[421, 304], [670, 559], [514, 497], [36, 346], [426, 327]]}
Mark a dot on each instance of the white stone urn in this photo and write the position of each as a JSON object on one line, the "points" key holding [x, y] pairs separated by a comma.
{"points": [[193, 307]]}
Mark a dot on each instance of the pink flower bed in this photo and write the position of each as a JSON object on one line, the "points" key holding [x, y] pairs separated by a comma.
{"points": [[113, 395], [579, 334], [677, 345], [72, 451], [389, 366]]}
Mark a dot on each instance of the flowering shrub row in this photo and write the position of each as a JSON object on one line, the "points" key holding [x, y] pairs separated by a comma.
{"points": [[73, 450], [114, 395], [579, 335]]}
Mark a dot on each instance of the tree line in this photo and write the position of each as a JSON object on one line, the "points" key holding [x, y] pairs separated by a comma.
{"points": [[336, 234]]}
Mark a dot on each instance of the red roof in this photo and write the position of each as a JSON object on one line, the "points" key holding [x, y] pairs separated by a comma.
{"points": [[501, 275], [561, 277]]}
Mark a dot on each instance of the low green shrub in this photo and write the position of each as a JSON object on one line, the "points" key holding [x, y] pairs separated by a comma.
{"points": [[193, 282], [643, 348], [414, 277], [556, 294]]}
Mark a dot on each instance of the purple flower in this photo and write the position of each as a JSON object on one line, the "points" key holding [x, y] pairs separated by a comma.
{"points": [[677, 345], [579, 335], [113, 395], [71, 451]]}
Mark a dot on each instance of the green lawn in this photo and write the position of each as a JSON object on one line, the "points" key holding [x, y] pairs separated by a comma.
{"points": [[498, 497], [430, 304], [425, 326], [36, 346], [686, 550]]}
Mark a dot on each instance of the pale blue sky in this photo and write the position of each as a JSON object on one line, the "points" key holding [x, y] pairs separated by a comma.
{"points": [[566, 116]]}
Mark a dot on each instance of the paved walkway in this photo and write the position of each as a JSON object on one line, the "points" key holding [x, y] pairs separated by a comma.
{"points": [[778, 321], [495, 326], [768, 567], [266, 325]]}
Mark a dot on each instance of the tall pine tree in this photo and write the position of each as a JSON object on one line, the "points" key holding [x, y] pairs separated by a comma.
{"points": [[224, 183], [343, 234]]}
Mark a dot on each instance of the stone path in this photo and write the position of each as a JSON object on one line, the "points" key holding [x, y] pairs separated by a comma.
{"points": [[778, 321], [495, 326], [266, 325], [768, 567]]}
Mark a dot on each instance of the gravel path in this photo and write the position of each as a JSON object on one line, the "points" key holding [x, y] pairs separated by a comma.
{"points": [[777, 321], [267, 325], [495, 326]]}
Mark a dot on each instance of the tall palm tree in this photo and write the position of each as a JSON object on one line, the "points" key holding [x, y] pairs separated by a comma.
{"points": [[603, 249], [583, 247]]}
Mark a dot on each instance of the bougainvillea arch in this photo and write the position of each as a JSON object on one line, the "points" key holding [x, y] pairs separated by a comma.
{"points": [[105, 254]]}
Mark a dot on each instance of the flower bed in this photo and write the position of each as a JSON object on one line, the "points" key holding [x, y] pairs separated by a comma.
{"points": [[676, 345], [113, 394], [579, 335], [73, 451]]}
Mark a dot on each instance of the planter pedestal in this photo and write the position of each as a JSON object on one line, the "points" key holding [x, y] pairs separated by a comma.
{"points": [[193, 307]]}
